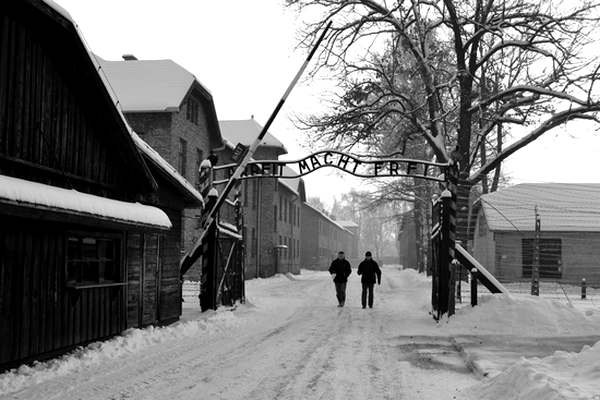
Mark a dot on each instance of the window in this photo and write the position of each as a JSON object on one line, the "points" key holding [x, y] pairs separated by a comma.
{"points": [[182, 156], [199, 158], [274, 218], [291, 248], [192, 111], [550, 257], [245, 200], [285, 210], [93, 260], [291, 217], [298, 216], [254, 194]]}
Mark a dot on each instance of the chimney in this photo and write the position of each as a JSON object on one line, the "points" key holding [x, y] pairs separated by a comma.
{"points": [[129, 57]]}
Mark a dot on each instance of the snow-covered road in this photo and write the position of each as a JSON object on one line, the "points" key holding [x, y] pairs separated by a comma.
{"points": [[289, 342]]}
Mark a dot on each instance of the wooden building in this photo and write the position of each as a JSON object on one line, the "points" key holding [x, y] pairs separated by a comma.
{"points": [[89, 238], [504, 233]]}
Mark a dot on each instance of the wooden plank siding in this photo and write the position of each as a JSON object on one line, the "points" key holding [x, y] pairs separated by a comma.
{"points": [[50, 129], [39, 314]]}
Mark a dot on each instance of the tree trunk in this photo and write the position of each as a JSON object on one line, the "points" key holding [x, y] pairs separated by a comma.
{"points": [[463, 204], [418, 219]]}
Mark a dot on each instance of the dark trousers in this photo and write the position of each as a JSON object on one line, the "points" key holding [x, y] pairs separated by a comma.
{"points": [[367, 287], [340, 292]]}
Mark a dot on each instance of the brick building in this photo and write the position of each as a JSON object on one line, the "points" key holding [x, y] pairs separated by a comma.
{"points": [[272, 207], [172, 112], [321, 239], [352, 241]]}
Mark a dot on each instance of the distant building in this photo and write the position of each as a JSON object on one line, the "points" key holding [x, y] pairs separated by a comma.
{"points": [[503, 239], [351, 247], [272, 207], [174, 113], [322, 239]]}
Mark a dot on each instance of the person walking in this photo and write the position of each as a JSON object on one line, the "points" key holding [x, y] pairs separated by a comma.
{"points": [[340, 270], [370, 271]]}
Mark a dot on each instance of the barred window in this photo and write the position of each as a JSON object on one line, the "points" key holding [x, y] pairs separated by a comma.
{"points": [[93, 260]]}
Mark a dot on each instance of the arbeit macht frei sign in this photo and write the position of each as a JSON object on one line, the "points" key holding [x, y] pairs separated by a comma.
{"points": [[357, 166]]}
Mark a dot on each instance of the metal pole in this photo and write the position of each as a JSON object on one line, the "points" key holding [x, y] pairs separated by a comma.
{"points": [[473, 287], [190, 256], [535, 268]]}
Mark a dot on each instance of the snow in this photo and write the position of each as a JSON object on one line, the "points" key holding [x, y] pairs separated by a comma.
{"points": [[561, 376], [522, 316], [131, 342], [166, 167], [290, 341], [245, 131], [25, 193], [148, 85]]}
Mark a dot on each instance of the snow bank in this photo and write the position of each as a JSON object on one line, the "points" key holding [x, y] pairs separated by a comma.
{"points": [[561, 376], [130, 342], [525, 316]]}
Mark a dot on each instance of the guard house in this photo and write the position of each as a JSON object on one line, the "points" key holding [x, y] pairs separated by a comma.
{"points": [[569, 213], [89, 239]]}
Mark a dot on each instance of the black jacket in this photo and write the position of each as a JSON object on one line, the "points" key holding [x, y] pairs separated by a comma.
{"points": [[369, 270], [341, 269]]}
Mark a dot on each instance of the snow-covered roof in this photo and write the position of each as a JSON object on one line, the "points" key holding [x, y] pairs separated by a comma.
{"points": [[23, 193], [325, 216], [291, 184], [347, 224], [561, 206], [245, 131], [167, 168], [59, 9], [148, 85]]}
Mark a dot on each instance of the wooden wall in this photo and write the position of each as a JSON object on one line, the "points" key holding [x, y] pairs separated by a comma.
{"points": [[153, 284], [54, 129], [39, 314], [580, 255]]}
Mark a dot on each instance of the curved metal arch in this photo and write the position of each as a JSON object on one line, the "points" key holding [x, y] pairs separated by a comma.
{"points": [[357, 166]]}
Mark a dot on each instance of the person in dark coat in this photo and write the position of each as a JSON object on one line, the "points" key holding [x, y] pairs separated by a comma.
{"points": [[370, 272], [340, 270]]}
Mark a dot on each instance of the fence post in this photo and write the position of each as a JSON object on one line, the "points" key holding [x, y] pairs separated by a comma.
{"points": [[535, 268], [473, 287], [583, 289]]}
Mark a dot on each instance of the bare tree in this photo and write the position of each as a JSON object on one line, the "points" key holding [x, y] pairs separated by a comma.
{"points": [[470, 71]]}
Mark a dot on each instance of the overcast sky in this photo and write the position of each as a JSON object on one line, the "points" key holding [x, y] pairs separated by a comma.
{"points": [[244, 53]]}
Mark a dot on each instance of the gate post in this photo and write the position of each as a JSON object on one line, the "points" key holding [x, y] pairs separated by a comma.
{"points": [[443, 236], [450, 237]]}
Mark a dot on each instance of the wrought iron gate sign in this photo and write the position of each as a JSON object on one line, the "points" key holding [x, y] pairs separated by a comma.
{"points": [[364, 168]]}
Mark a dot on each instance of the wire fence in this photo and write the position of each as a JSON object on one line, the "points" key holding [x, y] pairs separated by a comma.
{"points": [[553, 290]]}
